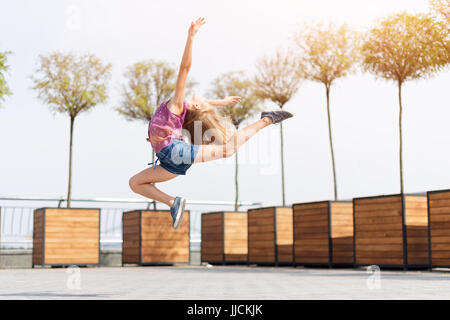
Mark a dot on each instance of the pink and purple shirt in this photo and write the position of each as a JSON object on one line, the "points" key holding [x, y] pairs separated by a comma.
{"points": [[165, 126]]}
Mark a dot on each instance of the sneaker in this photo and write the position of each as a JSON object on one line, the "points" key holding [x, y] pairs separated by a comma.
{"points": [[277, 116], [177, 211]]}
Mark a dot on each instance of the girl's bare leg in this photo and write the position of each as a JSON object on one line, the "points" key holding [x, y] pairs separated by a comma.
{"points": [[143, 184], [214, 152]]}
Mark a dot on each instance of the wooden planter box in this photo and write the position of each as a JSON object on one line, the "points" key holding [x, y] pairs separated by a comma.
{"points": [[439, 228], [150, 239], [66, 236], [323, 233], [224, 237], [391, 231], [270, 236]]}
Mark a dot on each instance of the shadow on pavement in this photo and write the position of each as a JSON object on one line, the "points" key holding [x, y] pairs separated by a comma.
{"points": [[52, 294]]}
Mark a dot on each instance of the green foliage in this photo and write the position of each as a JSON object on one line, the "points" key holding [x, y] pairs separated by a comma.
{"points": [[71, 84], [442, 8], [236, 84], [149, 83], [404, 47], [277, 77], [327, 52], [4, 89]]}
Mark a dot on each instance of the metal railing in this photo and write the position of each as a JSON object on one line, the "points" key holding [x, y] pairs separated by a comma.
{"points": [[16, 222]]}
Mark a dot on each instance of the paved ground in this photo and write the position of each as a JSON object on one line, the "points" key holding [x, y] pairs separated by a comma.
{"points": [[229, 282]]}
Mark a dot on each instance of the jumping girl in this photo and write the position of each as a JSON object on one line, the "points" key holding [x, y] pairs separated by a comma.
{"points": [[197, 119]]}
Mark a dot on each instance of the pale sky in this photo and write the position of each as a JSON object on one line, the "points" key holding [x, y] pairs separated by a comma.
{"points": [[108, 150]]}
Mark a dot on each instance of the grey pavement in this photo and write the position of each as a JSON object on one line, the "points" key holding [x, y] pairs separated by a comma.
{"points": [[221, 282]]}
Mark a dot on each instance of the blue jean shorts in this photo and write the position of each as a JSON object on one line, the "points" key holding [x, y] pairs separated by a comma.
{"points": [[177, 157]]}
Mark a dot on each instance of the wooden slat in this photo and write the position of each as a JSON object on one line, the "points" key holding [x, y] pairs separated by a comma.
{"points": [[378, 227], [439, 195], [379, 261], [441, 262], [309, 206], [163, 236], [211, 244], [259, 229], [300, 241], [440, 203], [379, 254], [311, 260], [368, 241], [165, 251], [376, 200], [217, 250], [260, 236], [311, 235], [257, 251], [379, 220], [262, 244], [212, 258], [379, 213], [69, 259], [440, 254], [165, 258], [235, 257]]}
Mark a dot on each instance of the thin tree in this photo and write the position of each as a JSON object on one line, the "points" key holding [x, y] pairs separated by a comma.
{"points": [[328, 53], [148, 84], [277, 80], [236, 84], [4, 89], [71, 84], [400, 48]]}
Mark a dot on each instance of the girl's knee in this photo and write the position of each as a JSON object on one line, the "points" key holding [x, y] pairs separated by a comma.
{"points": [[133, 183]]}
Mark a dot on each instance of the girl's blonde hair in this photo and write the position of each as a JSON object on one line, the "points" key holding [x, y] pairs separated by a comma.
{"points": [[205, 126]]}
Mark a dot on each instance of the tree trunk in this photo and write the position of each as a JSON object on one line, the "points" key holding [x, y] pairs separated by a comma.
{"points": [[153, 161], [69, 191], [236, 198], [331, 142], [282, 165], [400, 132]]}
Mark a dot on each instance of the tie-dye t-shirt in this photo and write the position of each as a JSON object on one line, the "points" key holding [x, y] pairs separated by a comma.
{"points": [[165, 126]]}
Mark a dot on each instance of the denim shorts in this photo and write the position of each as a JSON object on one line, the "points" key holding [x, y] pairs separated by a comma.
{"points": [[178, 156]]}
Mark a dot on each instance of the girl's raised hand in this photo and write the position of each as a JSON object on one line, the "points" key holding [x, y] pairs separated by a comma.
{"points": [[232, 100], [193, 29]]}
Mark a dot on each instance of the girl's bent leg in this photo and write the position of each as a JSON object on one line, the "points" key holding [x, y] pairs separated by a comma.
{"points": [[214, 152], [143, 184]]}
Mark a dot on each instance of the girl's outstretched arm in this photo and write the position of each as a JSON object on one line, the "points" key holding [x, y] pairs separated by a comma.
{"points": [[176, 104], [227, 101]]}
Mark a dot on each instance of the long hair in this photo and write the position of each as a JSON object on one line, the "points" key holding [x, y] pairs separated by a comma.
{"points": [[205, 126]]}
